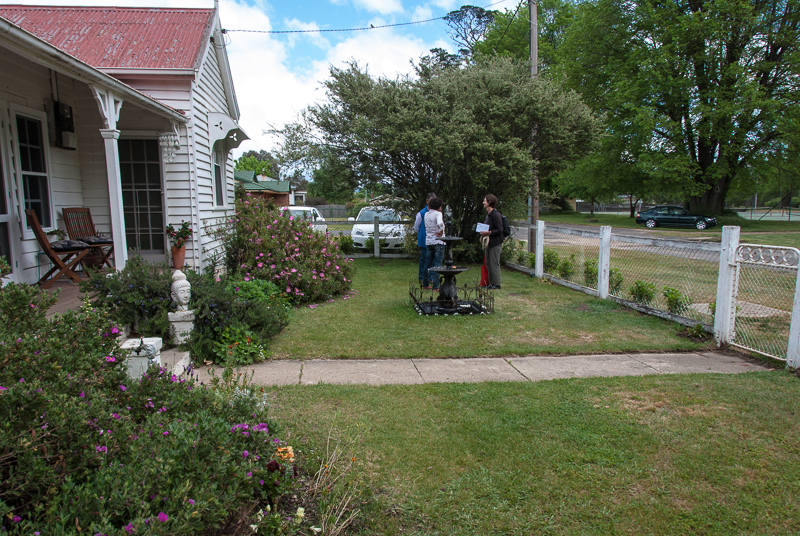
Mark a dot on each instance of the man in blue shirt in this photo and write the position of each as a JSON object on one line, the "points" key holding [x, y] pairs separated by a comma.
{"points": [[419, 228]]}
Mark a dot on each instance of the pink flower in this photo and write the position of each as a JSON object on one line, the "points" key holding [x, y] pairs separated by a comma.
{"points": [[81, 395], [128, 528], [163, 517], [110, 359], [123, 388], [191, 502], [101, 448], [245, 454]]}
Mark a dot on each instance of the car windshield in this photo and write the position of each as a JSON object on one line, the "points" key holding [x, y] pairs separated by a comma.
{"points": [[300, 213], [383, 215]]}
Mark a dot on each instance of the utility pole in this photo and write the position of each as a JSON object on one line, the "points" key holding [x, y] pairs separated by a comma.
{"points": [[533, 199]]}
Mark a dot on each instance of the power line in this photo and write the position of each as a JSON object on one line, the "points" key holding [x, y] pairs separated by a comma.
{"points": [[370, 27]]}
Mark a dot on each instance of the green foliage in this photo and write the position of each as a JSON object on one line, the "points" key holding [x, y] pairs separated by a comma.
{"points": [[643, 292], [615, 281], [449, 130], [550, 261], [676, 301], [262, 164], [466, 252], [263, 242], [137, 296], [87, 448], [590, 273], [509, 251], [531, 260], [237, 348], [346, 244], [234, 310], [566, 267]]}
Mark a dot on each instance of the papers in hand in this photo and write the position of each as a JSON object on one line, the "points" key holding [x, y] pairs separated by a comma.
{"points": [[481, 227]]}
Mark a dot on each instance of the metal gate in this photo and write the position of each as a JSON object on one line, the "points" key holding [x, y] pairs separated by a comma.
{"points": [[764, 296]]}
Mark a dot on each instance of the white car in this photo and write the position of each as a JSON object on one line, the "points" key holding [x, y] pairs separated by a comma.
{"points": [[311, 214], [364, 227]]}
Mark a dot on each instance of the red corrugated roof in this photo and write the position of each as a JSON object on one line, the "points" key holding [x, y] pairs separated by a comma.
{"points": [[119, 37]]}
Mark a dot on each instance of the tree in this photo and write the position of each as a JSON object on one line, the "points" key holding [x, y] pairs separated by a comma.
{"points": [[708, 80], [459, 132], [262, 162], [468, 25]]}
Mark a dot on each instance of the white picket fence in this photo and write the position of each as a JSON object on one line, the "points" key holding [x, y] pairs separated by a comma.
{"points": [[748, 295]]}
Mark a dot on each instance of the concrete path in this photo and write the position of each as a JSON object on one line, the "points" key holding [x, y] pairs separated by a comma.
{"points": [[498, 369]]}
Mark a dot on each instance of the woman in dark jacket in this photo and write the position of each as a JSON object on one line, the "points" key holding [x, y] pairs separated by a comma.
{"points": [[495, 234]]}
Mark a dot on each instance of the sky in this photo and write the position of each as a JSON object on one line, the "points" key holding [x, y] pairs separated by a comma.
{"points": [[276, 75]]}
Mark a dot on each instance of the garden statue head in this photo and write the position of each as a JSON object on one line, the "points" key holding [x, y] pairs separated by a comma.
{"points": [[181, 290]]}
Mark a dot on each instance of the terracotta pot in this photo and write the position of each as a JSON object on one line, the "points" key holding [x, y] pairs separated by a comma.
{"points": [[178, 257]]}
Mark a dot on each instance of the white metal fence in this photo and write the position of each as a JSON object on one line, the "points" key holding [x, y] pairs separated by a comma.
{"points": [[745, 294]]}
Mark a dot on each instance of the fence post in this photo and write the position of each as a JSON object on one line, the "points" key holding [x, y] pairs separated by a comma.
{"points": [[604, 261], [539, 268], [725, 308], [376, 238], [793, 351]]}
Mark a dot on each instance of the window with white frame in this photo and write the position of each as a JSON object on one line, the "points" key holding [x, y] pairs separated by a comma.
{"points": [[32, 155], [218, 158]]}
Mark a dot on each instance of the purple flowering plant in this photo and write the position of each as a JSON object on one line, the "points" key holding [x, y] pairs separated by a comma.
{"points": [[104, 458]]}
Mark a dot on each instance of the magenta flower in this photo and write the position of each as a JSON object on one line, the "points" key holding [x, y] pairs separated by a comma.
{"points": [[3, 388], [81, 395], [110, 359], [245, 454], [128, 528], [16, 519], [22, 380], [163, 517], [191, 501], [123, 388], [166, 433], [101, 448]]}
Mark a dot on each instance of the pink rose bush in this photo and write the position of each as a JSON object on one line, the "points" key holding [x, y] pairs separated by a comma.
{"points": [[266, 243]]}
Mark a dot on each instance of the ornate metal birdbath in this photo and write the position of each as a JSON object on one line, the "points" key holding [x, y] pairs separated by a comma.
{"points": [[479, 301]]}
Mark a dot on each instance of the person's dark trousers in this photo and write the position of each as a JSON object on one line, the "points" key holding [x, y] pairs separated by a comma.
{"points": [[493, 265], [435, 258], [424, 280]]}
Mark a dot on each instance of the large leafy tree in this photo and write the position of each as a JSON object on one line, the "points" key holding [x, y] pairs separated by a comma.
{"points": [[699, 85], [459, 132], [262, 162]]}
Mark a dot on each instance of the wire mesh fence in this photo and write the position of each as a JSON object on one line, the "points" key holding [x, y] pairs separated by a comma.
{"points": [[571, 255], [680, 279], [676, 276], [767, 276]]}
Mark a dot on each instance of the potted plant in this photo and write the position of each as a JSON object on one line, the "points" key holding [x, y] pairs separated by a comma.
{"points": [[179, 236]]}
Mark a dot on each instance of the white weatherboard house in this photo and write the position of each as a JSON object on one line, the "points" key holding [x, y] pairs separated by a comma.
{"points": [[130, 112]]}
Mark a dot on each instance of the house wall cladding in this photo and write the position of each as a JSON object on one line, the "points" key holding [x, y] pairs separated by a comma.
{"points": [[25, 90]]}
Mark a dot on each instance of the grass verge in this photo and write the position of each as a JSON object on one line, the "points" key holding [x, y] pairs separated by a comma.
{"points": [[531, 317], [658, 455]]}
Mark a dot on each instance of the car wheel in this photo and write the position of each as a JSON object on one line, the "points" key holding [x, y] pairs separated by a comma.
{"points": [[651, 223], [700, 225]]}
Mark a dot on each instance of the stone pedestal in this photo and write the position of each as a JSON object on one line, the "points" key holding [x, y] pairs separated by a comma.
{"points": [[182, 325], [141, 354]]}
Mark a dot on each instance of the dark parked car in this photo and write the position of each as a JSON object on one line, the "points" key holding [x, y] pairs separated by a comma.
{"points": [[670, 216]]}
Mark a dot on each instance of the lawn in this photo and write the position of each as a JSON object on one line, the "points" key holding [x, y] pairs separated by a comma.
{"points": [[657, 455], [531, 317]]}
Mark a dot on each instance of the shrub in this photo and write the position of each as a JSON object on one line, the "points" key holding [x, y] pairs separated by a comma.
{"points": [[468, 252], [508, 250], [642, 292], [590, 273], [137, 296], [550, 261], [264, 243], [615, 281], [676, 301], [566, 267], [233, 310], [532, 260], [85, 448]]}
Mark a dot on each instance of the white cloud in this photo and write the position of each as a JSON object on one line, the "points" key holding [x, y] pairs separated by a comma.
{"points": [[313, 37], [422, 13], [384, 7]]}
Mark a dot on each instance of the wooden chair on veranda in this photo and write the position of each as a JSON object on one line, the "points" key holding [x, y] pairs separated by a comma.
{"points": [[64, 254], [80, 226]]}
